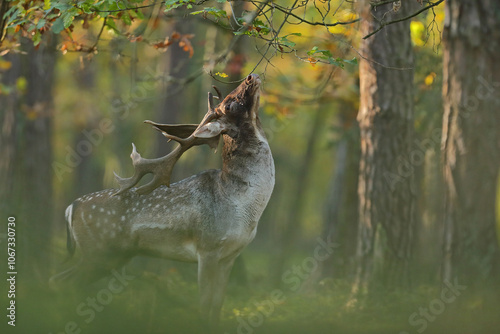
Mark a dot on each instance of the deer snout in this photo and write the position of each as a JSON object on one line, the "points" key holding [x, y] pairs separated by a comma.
{"points": [[252, 78]]}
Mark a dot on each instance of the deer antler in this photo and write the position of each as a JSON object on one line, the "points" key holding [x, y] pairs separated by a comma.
{"points": [[187, 135]]}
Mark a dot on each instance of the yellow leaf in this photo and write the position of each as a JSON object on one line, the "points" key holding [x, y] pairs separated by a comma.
{"points": [[417, 29], [21, 84], [430, 78], [5, 65], [222, 75], [46, 4]]}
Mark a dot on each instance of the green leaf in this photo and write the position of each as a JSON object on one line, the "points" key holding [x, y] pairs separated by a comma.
{"points": [[337, 62], [87, 8], [62, 6], [287, 42], [172, 4], [58, 25], [37, 38], [325, 53], [112, 25], [261, 27], [218, 13], [68, 20], [126, 18], [312, 51], [353, 61], [139, 14], [40, 23]]}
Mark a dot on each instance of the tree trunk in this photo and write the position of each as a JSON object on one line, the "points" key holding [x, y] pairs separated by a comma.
{"points": [[341, 213], [471, 140], [386, 197], [292, 228], [26, 141], [174, 101]]}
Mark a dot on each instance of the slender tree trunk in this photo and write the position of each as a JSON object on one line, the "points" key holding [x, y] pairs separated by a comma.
{"points": [[292, 228], [471, 140], [341, 206], [173, 102], [386, 199], [88, 176]]}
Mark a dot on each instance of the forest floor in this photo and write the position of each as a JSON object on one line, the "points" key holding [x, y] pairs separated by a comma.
{"points": [[163, 299]]}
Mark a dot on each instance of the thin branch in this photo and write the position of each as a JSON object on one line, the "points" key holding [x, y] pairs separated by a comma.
{"points": [[3, 9], [380, 3], [403, 19], [94, 47], [283, 10]]}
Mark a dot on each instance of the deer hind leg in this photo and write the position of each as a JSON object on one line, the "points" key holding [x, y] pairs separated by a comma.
{"points": [[213, 275]]}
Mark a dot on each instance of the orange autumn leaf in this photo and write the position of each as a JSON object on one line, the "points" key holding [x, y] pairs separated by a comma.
{"points": [[312, 61]]}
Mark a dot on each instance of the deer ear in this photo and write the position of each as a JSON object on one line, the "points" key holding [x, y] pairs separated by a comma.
{"points": [[209, 130]]}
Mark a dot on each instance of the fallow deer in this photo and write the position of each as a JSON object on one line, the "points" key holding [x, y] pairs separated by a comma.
{"points": [[207, 218]]}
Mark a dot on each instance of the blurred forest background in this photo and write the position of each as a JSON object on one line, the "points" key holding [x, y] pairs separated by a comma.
{"points": [[383, 118]]}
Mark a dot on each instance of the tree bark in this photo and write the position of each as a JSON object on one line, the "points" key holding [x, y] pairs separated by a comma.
{"points": [[27, 132], [471, 140], [292, 228], [386, 198], [174, 101], [341, 213]]}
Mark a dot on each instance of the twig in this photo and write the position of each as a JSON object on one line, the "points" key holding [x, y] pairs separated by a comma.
{"points": [[283, 10], [94, 47], [403, 19]]}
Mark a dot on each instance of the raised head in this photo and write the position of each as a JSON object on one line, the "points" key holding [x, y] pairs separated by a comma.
{"points": [[236, 116]]}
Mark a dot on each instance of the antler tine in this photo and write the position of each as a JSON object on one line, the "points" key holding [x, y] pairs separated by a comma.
{"points": [[210, 102], [219, 95], [161, 168]]}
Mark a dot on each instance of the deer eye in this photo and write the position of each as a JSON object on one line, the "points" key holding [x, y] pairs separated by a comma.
{"points": [[228, 107]]}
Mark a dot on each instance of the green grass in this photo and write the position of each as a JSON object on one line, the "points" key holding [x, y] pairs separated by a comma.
{"points": [[166, 302]]}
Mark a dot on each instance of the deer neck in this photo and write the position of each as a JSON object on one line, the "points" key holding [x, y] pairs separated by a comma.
{"points": [[247, 156]]}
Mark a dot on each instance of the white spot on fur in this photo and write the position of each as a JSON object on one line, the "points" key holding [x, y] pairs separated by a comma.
{"points": [[122, 218], [140, 226], [101, 210], [93, 206]]}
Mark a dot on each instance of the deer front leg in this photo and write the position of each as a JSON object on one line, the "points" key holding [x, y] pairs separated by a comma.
{"points": [[213, 275]]}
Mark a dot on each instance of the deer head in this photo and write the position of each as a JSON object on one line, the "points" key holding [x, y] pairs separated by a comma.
{"points": [[218, 120]]}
